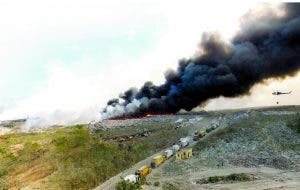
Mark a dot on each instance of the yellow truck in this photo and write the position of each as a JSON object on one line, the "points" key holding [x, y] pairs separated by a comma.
{"points": [[184, 154], [202, 133], [143, 171], [198, 135], [157, 160]]}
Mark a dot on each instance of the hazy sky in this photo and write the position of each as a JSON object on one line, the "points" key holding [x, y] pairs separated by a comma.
{"points": [[62, 60]]}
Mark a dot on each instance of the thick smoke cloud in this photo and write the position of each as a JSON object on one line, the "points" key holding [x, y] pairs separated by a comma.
{"points": [[265, 47]]}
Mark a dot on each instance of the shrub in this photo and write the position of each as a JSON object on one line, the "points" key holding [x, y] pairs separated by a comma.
{"points": [[31, 151], [226, 178], [215, 179], [294, 125], [238, 177], [126, 185]]}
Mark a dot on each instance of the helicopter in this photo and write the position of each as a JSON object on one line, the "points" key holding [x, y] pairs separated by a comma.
{"points": [[277, 93]]}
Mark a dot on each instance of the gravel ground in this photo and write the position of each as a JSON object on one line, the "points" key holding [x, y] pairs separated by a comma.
{"points": [[250, 142], [272, 145]]}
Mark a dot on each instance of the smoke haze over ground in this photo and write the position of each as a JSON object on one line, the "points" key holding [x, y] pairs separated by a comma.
{"points": [[59, 69], [268, 46]]}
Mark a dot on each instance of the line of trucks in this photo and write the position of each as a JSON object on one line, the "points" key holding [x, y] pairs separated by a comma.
{"points": [[159, 159]]}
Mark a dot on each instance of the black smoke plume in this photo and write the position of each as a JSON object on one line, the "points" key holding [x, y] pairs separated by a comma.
{"points": [[265, 47]]}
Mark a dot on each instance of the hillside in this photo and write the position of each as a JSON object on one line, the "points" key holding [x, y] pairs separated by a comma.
{"points": [[258, 145], [263, 144], [73, 157]]}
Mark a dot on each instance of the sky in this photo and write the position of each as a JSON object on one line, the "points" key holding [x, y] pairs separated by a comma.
{"points": [[62, 60]]}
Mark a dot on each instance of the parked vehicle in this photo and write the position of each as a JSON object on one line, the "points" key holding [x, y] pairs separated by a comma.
{"points": [[184, 142], [132, 178], [143, 171], [202, 133], [168, 153], [157, 160], [197, 135], [175, 147], [184, 154]]}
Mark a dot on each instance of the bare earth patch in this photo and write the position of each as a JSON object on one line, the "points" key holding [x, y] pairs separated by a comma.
{"points": [[25, 176]]}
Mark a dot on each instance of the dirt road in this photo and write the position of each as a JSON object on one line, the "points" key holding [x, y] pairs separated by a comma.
{"points": [[111, 183], [264, 179]]}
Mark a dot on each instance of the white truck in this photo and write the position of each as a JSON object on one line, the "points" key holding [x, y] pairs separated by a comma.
{"points": [[175, 147], [131, 178], [168, 153], [184, 141]]}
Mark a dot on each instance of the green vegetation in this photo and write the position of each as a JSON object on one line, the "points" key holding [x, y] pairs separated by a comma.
{"points": [[126, 185], [240, 177], [294, 125], [72, 157], [228, 178], [85, 161]]}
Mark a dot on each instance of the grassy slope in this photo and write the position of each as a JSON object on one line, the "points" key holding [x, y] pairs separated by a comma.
{"points": [[72, 158]]}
